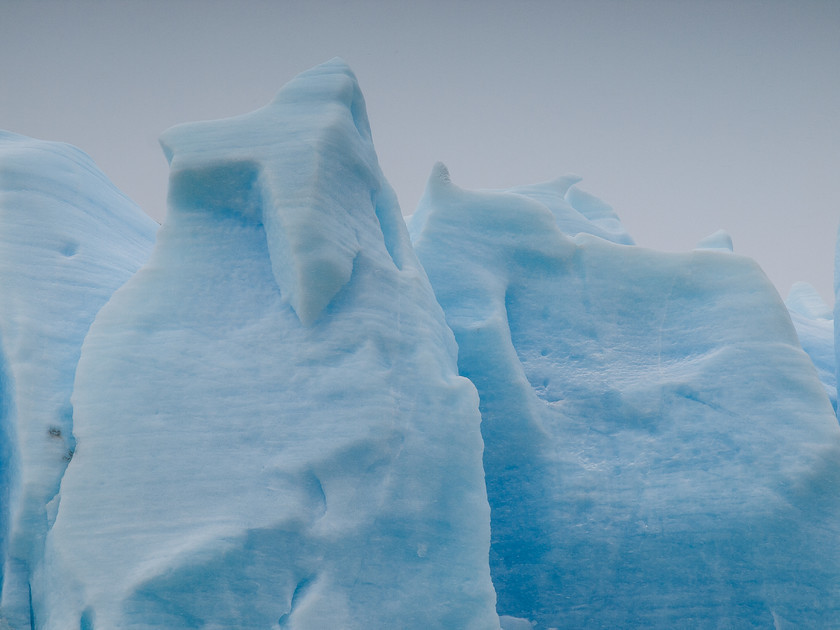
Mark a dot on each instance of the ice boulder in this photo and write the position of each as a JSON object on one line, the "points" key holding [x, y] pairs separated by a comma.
{"points": [[659, 451], [270, 427], [814, 323], [68, 240]]}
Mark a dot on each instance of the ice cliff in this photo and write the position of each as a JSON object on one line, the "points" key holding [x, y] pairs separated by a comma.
{"points": [[296, 412]]}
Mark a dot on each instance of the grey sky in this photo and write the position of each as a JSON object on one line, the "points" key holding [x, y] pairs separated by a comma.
{"points": [[687, 117]]}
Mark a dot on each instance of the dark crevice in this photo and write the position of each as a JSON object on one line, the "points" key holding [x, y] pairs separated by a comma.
{"points": [[86, 621]]}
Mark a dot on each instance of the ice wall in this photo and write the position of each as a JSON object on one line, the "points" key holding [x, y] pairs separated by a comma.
{"points": [[68, 240], [271, 431], [659, 451]]}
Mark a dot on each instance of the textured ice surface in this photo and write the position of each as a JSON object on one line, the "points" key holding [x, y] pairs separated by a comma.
{"points": [[68, 239], [271, 431], [814, 323], [659, 451]]}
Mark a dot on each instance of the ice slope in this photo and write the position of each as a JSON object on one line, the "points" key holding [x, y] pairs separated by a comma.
{"points": [[271, 431], [68, 240], [814, 323], [659, 451]]}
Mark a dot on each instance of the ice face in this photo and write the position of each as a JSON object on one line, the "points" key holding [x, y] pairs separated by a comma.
{"points": [[814, 323], [68, 240], [658, 448], [294, 177], [270, 426]]}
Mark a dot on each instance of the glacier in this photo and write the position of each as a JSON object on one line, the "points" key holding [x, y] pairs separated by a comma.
{"points": [[289, 408]]}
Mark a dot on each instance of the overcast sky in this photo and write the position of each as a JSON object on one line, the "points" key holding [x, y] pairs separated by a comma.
{"points": [[687, 117]]}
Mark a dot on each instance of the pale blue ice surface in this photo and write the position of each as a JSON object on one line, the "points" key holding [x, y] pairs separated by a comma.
{"points": [[659, 451]]}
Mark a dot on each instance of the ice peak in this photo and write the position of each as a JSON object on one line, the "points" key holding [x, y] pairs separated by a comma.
{"points": [[287, 166], [719, 241], [439, 178]]}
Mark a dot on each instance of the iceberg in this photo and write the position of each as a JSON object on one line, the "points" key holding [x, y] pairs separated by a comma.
{"points": [[270, 427], [69, 239], [288, 409], [659, 450]]}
